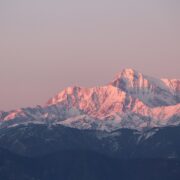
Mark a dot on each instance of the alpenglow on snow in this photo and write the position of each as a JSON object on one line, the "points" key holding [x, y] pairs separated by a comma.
{"points": [[132, 100]]}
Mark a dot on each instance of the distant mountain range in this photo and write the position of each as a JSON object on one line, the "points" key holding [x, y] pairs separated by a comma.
{"points": [[127, 129], [132, 100]]}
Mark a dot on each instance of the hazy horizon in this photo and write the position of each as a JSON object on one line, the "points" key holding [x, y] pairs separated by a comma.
{"points": [[48, 45]]}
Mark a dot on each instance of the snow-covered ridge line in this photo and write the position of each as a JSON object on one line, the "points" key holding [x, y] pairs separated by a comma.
{"points": [[131, 100], [152, 91]]}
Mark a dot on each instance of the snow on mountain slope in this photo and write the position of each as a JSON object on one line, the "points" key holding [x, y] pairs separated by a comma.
{"points": [[97, 102], [134, 119], [174, 86], [153, 92], [132, 100]]}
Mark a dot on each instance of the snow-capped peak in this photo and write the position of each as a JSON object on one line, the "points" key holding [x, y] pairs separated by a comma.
{"points": [[152, 91], [128, 73], [131, 100], [98, 101]]}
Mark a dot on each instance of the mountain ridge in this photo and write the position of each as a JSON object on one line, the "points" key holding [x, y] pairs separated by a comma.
{"points": [[131, 100]]}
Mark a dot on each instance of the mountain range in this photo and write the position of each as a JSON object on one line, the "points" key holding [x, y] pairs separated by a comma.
{"points": [[126, 129], [132, 100]]}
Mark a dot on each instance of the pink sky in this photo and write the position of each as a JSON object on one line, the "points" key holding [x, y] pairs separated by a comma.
{"points": [[46, 45]]}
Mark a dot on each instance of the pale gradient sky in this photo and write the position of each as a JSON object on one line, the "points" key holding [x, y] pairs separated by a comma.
{"points": [[46, 45]]}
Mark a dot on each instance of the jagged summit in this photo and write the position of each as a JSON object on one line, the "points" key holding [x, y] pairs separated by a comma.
{"points": [[131, 100], [127, 72], [152, 91], [98, 101]]}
